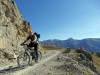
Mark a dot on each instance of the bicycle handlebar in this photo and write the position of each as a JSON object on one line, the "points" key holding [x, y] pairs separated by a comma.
{"points": [[25, 45]]}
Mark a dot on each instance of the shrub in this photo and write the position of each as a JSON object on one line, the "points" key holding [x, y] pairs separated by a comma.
{"points": [[98, 54], [67, 50], [92, 52]]}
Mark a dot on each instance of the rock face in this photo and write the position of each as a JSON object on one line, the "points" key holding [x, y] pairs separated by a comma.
{"points": [[13, 28]]}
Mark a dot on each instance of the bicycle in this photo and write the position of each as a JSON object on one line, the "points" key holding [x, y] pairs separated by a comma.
{"points": [[25, 57]]}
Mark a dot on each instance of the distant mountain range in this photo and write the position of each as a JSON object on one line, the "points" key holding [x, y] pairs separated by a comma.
{"points": [[91, 44]]}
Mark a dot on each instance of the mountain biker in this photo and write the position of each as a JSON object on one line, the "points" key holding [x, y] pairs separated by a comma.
{"points": [[33, 43]]}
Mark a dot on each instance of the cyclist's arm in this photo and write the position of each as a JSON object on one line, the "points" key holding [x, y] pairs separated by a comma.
{"points": [[35, 38], [26, 40]]}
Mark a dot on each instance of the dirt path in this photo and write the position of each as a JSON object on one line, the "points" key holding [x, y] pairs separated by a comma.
{"points": [[28, 70]]}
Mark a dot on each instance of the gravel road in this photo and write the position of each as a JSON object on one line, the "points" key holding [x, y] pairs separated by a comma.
{"points": [[30, 70]]}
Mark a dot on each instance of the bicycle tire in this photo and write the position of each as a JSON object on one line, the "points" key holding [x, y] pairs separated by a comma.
{"points": [[39, 55], [23, 59]]}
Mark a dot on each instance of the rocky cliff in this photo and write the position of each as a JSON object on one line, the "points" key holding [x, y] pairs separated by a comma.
{"points": [[13, 28]]}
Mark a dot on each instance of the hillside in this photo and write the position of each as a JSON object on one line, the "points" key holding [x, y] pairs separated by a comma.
{"points": [[91, 44], [13, 28]]}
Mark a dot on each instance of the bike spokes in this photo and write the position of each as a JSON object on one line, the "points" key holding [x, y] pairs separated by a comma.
{"points": [[23, 59]]}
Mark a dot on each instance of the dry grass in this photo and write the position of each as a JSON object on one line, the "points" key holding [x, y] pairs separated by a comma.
{"points": [[51, 48], [45, 48], [63, 50], [96, 61], [42, 49]]}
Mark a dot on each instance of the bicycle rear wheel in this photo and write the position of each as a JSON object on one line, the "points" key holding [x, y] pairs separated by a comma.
{"points": [[23, 59], [39, 55]]}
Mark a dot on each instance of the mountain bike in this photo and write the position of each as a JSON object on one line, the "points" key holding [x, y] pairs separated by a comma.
{"points": [[24, 57]]}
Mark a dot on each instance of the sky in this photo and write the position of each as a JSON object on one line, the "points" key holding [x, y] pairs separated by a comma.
{"points": [[62, 19]]}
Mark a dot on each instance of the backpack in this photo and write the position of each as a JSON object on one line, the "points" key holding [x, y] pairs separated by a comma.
{"points": [[38, 35]]}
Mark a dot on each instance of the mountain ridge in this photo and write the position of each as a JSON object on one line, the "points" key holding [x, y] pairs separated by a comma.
{"points": [[91, 44]]}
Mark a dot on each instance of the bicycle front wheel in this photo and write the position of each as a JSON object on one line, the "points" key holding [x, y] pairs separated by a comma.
{"points": [[23, 59]]}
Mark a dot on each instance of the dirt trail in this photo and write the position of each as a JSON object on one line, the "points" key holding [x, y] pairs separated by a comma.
{"points": [[28, 69]]}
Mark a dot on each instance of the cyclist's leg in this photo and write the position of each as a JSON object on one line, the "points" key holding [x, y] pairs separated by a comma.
{"points": [[31, 45], [36, 51]]}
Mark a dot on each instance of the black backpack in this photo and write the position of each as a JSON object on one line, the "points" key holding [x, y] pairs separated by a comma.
{"points": [[38, 35]]}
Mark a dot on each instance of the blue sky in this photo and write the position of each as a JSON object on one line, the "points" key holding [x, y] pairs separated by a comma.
{"points": [[62, 19]]}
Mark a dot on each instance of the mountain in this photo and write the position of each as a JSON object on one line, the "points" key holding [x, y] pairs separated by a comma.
{"points": [[91, 44]]}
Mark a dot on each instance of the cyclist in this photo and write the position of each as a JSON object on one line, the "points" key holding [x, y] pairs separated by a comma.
{"points": [[33, 44]]}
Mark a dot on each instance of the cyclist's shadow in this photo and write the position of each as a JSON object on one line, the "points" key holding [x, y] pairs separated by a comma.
{"points": [[11, 69]]}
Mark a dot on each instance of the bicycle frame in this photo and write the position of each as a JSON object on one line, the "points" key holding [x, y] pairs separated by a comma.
{"points": [[28, 49]]}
